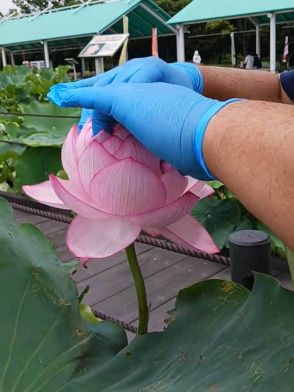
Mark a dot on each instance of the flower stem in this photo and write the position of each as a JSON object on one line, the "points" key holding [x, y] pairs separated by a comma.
{"points": [[140, 290]]}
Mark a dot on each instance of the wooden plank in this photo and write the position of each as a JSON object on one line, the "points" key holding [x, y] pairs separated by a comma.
{"points": [[285, 280], [50, 227], [97, 266], [161, 287], [23, 217], [158, 315], [117, 278]]}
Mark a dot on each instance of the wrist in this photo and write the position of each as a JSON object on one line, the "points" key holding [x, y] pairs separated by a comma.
{"points": [[192, 73]]}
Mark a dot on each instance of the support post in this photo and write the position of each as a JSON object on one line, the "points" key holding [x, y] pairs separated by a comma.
{"points": [[4, 59], [250, 251], [258, 51], [99, 65], [233, 50], [180, 43], [46, 54], [83, 64], [12, 58], [273, 41]]}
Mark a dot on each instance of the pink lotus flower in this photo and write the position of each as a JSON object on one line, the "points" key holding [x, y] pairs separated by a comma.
{"points": [[118, 188]]}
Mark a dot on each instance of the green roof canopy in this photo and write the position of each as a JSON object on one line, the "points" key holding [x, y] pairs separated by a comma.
{"points": [[73, 25], [204, 10]]}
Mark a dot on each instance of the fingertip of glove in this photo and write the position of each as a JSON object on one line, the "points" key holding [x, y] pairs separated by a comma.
{"points": [[60, 97]]}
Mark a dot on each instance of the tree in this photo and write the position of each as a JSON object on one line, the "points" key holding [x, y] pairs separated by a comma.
{"points": [[28, 6], [172, 6]]}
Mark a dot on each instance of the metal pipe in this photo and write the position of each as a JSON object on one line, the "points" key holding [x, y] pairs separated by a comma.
{"points": [[180, 43], [233, 50], [4, 59], [273, 41], [99, 65], [46, 54], [12, 59], [258, 51]]}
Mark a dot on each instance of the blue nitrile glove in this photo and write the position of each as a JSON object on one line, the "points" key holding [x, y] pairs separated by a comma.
{"points": [[169, 120], [287, 82], [141, 70]]}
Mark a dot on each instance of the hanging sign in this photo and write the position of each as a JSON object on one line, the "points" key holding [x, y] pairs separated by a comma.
{"points": [[104, 45]]}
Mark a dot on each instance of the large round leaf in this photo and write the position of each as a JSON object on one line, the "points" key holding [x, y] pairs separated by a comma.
{"points": [[222, 338], [43, 340], [219, 217], [35, 165], [53, 126]]}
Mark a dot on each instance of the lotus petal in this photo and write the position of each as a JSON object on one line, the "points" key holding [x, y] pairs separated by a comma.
{"points": [[88, 238], [44, 193], [175, 185], [102, 136], [74, 200], [199, 188], [205, 191], [131, 148], [84, 138], [167, 215], [190, 234], [112, 145], [127, 188], [92, 160], [69, 155], [120, 132]]}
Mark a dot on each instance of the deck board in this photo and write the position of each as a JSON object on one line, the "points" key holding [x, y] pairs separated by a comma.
{"points": [[111, 286]]}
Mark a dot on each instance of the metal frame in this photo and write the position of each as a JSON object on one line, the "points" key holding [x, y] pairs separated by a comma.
{"points": [[273, 35]]}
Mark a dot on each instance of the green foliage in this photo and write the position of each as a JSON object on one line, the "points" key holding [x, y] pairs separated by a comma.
{"points": [[29, 6], [24, 91], [20, 85], [290, 257], [172, 6], [219, 26], [220, 218], [35, 165], [221, 337], [223, 215], [44, 340]]}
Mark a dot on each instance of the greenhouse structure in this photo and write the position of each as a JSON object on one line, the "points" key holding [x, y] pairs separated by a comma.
{"points": [[72, 27], [260, 13]]}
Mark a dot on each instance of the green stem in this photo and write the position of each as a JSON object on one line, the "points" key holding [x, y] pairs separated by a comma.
{"points": [[140, 289]]}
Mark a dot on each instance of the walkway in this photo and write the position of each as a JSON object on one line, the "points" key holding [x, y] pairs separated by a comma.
{"points": [[111, 288]]}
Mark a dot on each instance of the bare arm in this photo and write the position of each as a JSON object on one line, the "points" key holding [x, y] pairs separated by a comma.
{"points": [[225, 83], [249, 147]]}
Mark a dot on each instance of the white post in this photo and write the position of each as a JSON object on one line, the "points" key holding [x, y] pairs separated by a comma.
{"points": [[99, 65], [4, 59], [273, 42], [12, 59], [180, 43], [46, 54], [233, 49], [83, 66], [258, 41]]}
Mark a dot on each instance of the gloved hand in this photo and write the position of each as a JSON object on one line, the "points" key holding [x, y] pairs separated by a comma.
{"points": [[141, 70], [169, 120]]}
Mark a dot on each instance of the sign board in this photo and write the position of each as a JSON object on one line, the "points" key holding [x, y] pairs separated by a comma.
{"points": [[104, 45]]}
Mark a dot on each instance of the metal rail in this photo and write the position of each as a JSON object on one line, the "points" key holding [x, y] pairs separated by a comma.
{"points": [[29, 206]]}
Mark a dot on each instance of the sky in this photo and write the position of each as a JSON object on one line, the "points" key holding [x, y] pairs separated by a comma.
{"points": [[5, 5]]}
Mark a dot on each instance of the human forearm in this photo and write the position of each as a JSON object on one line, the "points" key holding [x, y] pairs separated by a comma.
{"points": [[249, 147], [225, 83]]}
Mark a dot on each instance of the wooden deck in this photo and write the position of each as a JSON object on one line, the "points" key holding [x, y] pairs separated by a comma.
{"points": [[111, 288]]}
